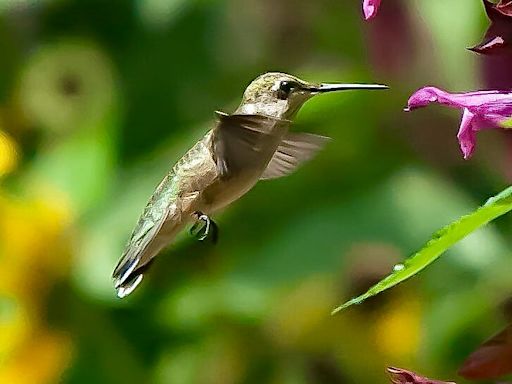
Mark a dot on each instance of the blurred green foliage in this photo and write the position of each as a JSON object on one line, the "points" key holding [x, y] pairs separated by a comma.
{"points": [[98, 100]]}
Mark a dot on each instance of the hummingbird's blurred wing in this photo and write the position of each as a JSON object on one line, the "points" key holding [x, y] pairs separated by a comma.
{"points": [[295, 149], [128, 272], [241, 142]]}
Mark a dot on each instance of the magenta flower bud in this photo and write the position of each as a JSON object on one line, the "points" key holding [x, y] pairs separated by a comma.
{"points": [[370, 8], [402, 376], [480, 110]]}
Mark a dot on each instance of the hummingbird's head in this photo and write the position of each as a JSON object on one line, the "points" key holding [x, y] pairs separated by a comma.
{"points": [[281, 95]]}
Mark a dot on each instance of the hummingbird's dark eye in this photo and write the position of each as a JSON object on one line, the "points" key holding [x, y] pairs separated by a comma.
{"points": [[285, 87]]}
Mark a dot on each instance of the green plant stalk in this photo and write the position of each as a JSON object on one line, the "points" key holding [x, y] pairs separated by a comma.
{"points": [[438, 244]]}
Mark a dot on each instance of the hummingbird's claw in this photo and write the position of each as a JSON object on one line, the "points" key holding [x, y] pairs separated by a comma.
{"points": [[204, 227]]}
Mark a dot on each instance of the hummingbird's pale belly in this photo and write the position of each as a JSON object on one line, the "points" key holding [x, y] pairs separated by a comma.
{"points": [[199, 177], [223, 192]]}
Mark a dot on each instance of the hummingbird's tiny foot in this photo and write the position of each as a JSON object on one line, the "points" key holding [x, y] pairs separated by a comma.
{"points": [[204, 227]]}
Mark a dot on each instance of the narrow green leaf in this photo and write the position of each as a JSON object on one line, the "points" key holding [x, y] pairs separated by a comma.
{"points": [[439, 243]]}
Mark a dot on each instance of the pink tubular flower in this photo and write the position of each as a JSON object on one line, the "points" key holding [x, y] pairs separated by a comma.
{"points": [[481, 110], [370, 8]]}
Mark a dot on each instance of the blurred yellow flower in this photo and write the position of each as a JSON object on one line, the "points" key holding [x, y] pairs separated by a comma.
{"points": [[8, 154], [33, 243], [40, 360], [15, 326], [398, 328], [34, 253]]}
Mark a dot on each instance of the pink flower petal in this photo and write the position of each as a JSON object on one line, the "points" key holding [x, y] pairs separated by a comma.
{"points": [[467, 134], [370, 8], [488, 45]]}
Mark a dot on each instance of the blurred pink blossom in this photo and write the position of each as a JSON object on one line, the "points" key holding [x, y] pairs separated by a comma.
{"points": [[393, 40], [498, 37], [492, 359]]}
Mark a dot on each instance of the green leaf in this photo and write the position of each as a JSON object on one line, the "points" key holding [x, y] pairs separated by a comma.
{"points": [[507, 124], [440, 242]]}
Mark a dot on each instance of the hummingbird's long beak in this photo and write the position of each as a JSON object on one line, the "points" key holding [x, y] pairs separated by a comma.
{"points": [[325, 87]]}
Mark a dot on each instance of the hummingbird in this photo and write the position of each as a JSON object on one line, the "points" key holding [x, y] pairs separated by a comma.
{"points": [[252, 144]]}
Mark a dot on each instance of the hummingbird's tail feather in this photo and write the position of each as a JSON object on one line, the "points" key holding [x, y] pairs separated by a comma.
{"points": [[127, 287], [123, 270], [148, 239], [127, 282]]}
